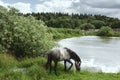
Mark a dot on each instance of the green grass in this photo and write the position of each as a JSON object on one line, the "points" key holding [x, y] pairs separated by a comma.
{"points": [[61, 33], [33, 69]]}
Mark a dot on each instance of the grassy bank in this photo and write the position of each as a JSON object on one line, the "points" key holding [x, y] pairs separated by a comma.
{"points": [[61, 33], [33, 69]]}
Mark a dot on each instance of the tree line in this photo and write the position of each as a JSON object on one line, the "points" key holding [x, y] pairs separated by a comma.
{"points": [[82, 21]]}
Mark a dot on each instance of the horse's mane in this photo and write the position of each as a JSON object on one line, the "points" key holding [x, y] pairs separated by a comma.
{"points": [[73, 54]]}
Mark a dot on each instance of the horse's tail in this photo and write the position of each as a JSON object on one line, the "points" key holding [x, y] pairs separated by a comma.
{"points": [[48, 61]]}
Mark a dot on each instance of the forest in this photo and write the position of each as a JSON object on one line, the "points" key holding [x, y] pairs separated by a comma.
{"points": [[65, 20]]}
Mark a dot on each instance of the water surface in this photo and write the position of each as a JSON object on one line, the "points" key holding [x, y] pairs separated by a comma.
{"points": [[97, 53]]}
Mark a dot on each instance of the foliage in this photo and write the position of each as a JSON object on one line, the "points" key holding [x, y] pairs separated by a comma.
{"points": [[98, 23], [23, 36], [2, 49], [105, 31], [87, 26], [65, 20]]}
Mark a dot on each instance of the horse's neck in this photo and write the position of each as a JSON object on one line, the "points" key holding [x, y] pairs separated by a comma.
{"points": [[75, 57]]}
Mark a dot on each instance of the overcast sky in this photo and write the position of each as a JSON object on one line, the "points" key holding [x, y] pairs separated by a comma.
{"points": [[105, 7]]}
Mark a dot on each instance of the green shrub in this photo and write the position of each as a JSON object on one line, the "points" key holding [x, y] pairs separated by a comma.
{"points": [[98, 24], [2, 49], [87, 26], [23, 36], [105, 31]]}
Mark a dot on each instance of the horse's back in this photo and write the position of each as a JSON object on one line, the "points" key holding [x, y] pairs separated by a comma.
{"points": [[54, 54], [64, 55], [59, 53]]}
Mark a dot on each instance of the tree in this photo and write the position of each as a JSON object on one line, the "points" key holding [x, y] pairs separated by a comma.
{"points": [[87, 26], [105, 31], [98, 24], [23, 36]]}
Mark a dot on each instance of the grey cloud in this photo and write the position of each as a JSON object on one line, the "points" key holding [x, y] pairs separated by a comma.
{"points": [[115, 4], [105, 7]]}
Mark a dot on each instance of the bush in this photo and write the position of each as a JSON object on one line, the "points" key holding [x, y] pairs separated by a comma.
{"points": [[98, 24], [2, 49], [87, 26], [23, 36], [105, 31]]}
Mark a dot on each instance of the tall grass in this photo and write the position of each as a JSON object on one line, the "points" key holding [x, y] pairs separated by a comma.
{"points": [[60, 33], [7, 61], [26, 69], [33, 69]]}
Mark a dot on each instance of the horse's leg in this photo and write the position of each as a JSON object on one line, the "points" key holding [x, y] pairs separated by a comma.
{"points": [[50, 65], [70, 65], [55, 67], [47, 64], [65, 65]]}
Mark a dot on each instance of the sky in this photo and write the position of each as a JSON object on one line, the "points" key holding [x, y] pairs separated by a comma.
{"points": [[109, 8]]}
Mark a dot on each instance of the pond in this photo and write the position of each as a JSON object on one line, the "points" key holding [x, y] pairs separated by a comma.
{"points": [[97, 53]]}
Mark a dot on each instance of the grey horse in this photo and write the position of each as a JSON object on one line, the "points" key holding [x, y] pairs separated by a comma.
{"points": [[62, 54]]}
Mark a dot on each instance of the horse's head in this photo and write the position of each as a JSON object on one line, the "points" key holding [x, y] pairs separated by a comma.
{"points": [[77, 65]]}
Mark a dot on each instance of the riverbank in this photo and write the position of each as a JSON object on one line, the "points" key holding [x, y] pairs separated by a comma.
{"points": [[61, 33], [33, 69]]}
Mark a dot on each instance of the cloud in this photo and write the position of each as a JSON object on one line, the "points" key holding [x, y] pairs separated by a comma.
{"points": [[103, 3], [22, 7], [109, 8], [56, 6], [4, 4]]}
